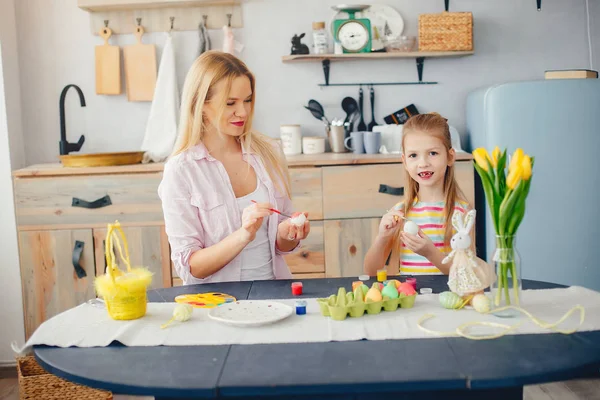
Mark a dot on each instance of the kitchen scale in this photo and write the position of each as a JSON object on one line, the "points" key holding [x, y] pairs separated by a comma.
{"points": [[353, 34]]}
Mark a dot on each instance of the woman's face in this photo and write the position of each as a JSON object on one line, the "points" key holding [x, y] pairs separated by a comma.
{"points": [[238, 104]]}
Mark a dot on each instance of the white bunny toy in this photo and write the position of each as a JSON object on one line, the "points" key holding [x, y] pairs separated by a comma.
{"points": [[468, 273]]}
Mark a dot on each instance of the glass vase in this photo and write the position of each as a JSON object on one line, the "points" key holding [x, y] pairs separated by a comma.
{"points": [[506, 290]]}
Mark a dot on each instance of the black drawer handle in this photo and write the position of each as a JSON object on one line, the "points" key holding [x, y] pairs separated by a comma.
{"points": [[399, 191], [101, 202], [77, 250]]}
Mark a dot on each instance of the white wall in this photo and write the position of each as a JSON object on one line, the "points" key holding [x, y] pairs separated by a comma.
{"points": [[513, 41], [11, 152]]}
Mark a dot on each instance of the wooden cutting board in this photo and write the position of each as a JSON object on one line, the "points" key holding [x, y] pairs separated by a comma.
{"points": [[108, 66], [140, 69]]}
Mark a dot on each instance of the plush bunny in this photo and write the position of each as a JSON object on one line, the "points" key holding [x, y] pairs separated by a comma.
{"points": [[468, 273]]}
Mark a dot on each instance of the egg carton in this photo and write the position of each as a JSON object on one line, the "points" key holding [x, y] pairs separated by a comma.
{"points": [[339, 306]]}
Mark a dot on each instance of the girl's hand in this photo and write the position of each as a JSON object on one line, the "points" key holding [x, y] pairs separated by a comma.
{"points": [[252, 219], [287, 231], [420, 243], [389, 222]]}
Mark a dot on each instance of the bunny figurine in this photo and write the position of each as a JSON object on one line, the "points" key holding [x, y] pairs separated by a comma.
{"points": [[468, 273], [297, 46]]}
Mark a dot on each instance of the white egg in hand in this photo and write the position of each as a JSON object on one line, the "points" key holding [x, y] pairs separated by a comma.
{"points": [[411, 227], [299, 220]]}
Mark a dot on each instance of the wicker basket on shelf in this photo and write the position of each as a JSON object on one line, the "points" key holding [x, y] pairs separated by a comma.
{"points": [[37, 384], [447, 31]]}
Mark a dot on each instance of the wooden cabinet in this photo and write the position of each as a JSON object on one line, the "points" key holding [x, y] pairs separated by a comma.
{"points": [[49, 280]]}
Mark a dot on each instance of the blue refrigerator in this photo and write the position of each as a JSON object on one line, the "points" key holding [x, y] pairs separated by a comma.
{"points": [[558, 122]]}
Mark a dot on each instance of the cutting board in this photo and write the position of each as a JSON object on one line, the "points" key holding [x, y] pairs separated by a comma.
{"points": [[108, 66], [140, 69]]}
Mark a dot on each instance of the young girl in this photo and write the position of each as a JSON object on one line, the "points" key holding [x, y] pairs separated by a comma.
{"points": [[223, 180], [431, 196]]}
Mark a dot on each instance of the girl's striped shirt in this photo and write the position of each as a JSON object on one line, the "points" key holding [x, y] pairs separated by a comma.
{"points": [[430, 218]]}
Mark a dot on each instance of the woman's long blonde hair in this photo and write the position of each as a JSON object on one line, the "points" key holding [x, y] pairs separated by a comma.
{"points": [[209, 69], [435, 125]]}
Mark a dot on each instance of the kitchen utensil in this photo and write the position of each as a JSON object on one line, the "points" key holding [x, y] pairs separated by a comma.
{"points": [[274, 210], [337, 134], [101, 159], [358, 145], [350, 106], [372, 142], [372, 124], [140, 68], [361, 125], [250, 312], [315, 105], [108, 65], [380, 15]]}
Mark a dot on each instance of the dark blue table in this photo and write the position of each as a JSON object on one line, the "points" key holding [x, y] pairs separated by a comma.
{"points": [[448, 368]]}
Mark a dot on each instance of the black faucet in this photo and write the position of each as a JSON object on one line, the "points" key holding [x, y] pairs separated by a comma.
{"points": [[64, 145]]}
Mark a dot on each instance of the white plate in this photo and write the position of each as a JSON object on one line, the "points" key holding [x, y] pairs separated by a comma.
{"points": [[250, 312], [378, 14]]}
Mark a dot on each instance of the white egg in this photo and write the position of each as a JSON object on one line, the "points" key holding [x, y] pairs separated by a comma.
{"points": [[481, 303], [299, 220], [411, 227]]}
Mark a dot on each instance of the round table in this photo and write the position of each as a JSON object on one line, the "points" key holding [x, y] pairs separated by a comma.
{"points": [[448, 368]]}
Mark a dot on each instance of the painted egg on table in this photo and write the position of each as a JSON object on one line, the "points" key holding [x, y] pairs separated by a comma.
{"points": [[481, 303], [450, 300], [406, 288], [411, 227], [390, 291]]}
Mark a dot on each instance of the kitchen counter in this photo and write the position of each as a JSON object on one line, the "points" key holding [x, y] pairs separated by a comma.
{"points": [[301, 160]]}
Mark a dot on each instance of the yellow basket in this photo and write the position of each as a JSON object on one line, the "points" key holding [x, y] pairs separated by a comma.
{"points": [[124, 292], [447, 31]]}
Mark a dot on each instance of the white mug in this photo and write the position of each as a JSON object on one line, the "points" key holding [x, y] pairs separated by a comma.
{"points": [[291, 139]]}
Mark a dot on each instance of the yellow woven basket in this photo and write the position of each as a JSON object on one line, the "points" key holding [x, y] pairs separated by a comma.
{"points": [[124, 292], [447, 31]]}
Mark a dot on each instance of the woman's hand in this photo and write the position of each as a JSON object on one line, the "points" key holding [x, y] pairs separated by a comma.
{"points": [[288, 233], [420, 243], [252, 219], [389, 222]]}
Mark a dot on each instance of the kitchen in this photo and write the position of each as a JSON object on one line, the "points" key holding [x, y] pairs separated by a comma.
{"points": [[51, 46]]}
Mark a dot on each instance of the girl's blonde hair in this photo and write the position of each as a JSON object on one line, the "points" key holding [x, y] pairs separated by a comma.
{"points": [[209, 69], [435, 125]]}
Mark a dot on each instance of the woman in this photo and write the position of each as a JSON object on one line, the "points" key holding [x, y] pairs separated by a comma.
{"points": [[223, 180]]}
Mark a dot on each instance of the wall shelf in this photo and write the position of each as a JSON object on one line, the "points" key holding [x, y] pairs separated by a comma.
{"points": [[156, 14], [419, 57]]}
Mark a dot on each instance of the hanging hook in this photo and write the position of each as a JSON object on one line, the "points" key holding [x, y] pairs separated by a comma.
{"points": [[139, 21], [204, 19], [106, 23], [229, 20], [172, 21]]}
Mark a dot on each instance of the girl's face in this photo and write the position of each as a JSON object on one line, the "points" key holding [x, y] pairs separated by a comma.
{"points": [[238, 105], [426, 159]]}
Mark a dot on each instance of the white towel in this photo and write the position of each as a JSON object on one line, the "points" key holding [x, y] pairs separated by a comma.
{"points": [[161, 129]]}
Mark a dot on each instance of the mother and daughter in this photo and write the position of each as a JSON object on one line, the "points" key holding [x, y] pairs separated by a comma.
{"points": [[225, 190]]}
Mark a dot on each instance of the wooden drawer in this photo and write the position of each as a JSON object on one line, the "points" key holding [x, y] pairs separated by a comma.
{"points": [[310, 257], [307, 193], [49, 201], [353, 191]]}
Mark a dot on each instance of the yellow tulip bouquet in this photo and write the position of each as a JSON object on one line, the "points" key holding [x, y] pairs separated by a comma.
{"points": [[506, 195]]}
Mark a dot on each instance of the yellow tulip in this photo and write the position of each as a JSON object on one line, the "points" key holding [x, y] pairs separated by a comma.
{"points": [[526, 165], [514, 176], [496, 156], [481, 157], [516, 159]]}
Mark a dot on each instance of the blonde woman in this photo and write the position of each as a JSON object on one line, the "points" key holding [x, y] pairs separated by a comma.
{"points": [[223, 180]]}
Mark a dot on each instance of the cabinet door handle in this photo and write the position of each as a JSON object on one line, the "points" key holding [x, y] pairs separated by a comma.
{"points": [[77, 250], [101, 202], [394, 191]]}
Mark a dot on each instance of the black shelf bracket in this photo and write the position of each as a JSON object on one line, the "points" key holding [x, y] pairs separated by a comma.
{"points": [[539, 5], [447, 4], [420, 62]]}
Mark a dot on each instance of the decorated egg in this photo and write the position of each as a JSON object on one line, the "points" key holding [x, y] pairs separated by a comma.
{"points": [[356, 284], [390, 291], [406, 288], [411, 227], [395, 282], [481, 303], [450, 300], [364, 288], [298, 219], [378, 285], [374, 295]]}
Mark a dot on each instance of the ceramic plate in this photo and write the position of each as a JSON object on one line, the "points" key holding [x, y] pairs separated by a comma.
{"points": [[250, 312], [379, 14]]}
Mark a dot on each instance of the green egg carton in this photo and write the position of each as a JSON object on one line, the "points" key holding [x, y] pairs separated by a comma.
{"points": [[339, 306]]}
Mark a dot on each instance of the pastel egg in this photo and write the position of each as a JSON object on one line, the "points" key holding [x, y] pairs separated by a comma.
{"points": [[395, 282], [406, 288], [374, 295], [390, 291], [481, 303], [411, 227]]}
